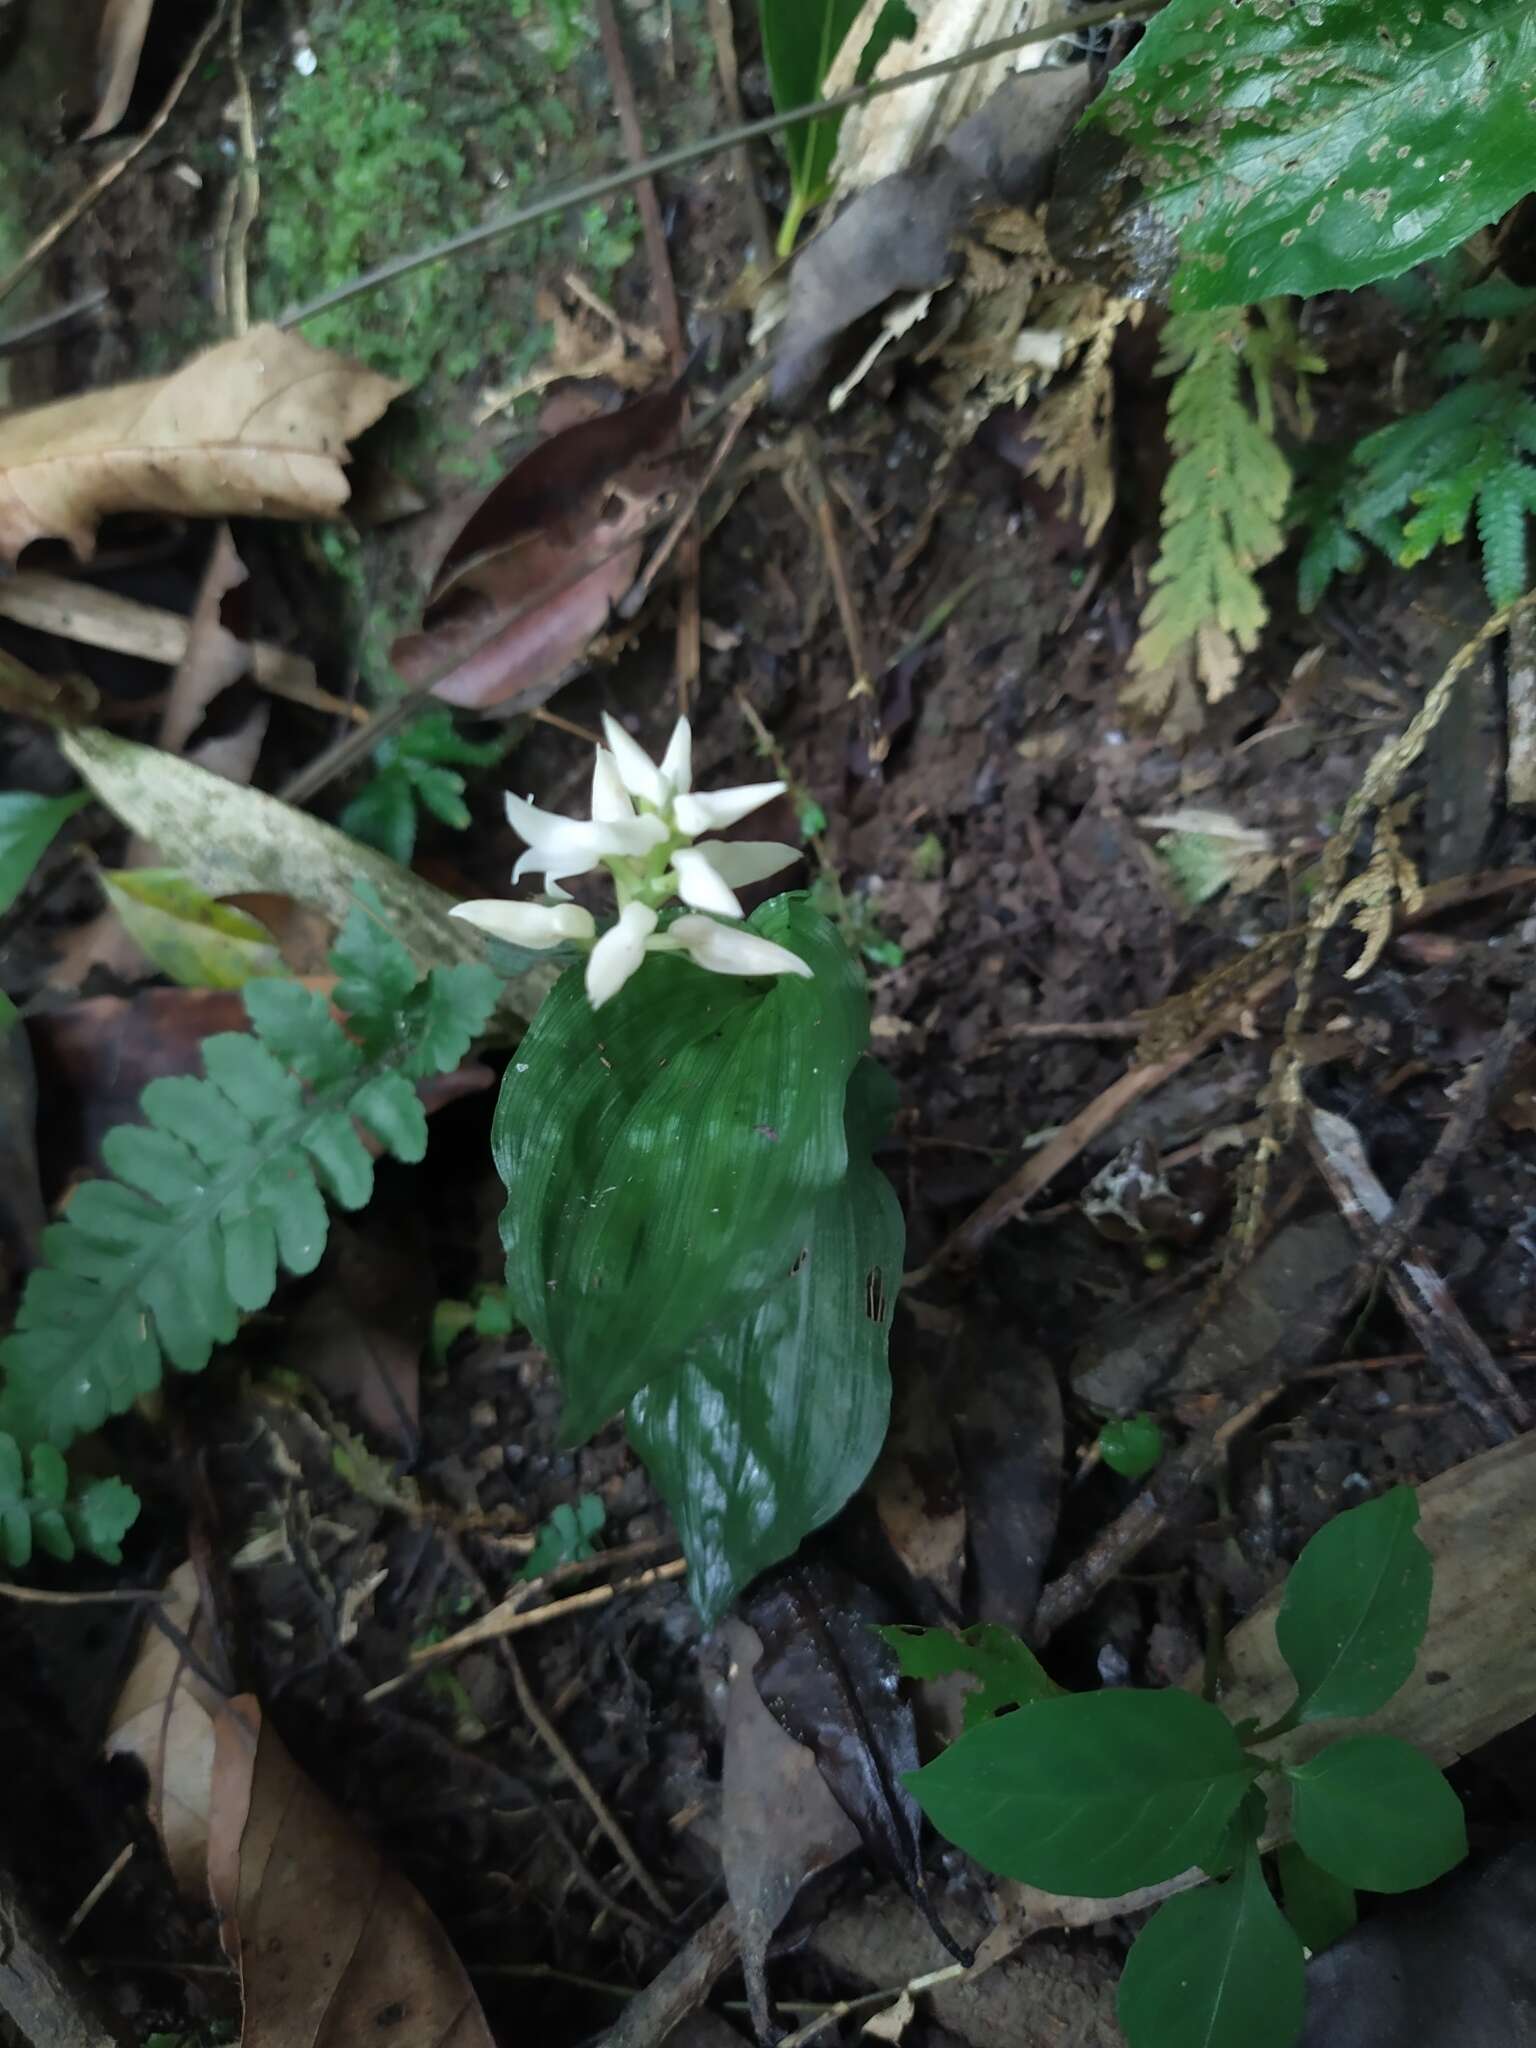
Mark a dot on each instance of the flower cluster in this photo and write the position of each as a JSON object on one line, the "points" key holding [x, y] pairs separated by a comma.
{"points": [[644, 822]]}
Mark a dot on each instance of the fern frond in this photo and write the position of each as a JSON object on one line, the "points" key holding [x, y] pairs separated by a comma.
{"points": [[41, 1510], [1224, 500], [223, 1182]]}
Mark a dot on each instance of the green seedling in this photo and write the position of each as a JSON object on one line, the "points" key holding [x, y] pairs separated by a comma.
{"points": [[1132, 1446], [1100, 1794]]}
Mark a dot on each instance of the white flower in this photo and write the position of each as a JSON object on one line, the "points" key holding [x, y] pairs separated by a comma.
{"points": [[558, 847], [706, 874], [644, 817], [618, 953], [727, 949], [530, 924]]}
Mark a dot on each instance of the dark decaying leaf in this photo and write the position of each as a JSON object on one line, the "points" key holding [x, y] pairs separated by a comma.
{"points": [[665, 1186], [915, 1485], [334, 1947], [831, 1682], [897, 235], [771, 1424], [1453, 1967], [779, 1823], [1327, 148], [22, 1214], [1007, 1429], [361, 1332], [531, 574]]}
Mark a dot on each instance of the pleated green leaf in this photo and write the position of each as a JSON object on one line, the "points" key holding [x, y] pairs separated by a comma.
{"points": [[772, 1422], [662, 1156]]}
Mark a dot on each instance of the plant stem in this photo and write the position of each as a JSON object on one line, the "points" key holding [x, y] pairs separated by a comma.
{"points": [[789, 227]]}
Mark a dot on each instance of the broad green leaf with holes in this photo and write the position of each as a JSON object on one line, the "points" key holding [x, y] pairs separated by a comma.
{"points": [[662, 1156], [1375, 1813], [1093, 1793], [773, 1421], [1008, 1672], [1355, 1608], [1305, 146], [1215, 1968], [197, 941]]}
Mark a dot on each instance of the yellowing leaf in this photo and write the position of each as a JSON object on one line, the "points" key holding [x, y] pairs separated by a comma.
{"points": [[190, 937], [254, 426]]}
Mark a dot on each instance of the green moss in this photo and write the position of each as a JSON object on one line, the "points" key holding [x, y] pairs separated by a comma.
{"points": [[421, 121]]}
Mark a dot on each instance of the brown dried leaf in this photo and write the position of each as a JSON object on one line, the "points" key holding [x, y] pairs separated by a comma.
{"points": [[916, 1484], [360, 1334], [255, 426], [165, 1717], [533, 571], [779, 1822], [214, 658], [333, 1946]]}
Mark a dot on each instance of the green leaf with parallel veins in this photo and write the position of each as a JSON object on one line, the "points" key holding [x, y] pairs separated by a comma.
{"points": [[662, 1155], [1094, 1793], [197, 941], [1355, 1608], [1375, 1813], [800, 40], [1320, 1908], [766, 1430], [1312, 145], [1215, 1968], [1008, 1671], [27, 824]]}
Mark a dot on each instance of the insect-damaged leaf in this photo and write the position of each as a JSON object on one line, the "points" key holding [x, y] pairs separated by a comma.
{"points": [[1008, 1672], [771, 1424], [667, 1183], [829, 1680], [1302, 145]]}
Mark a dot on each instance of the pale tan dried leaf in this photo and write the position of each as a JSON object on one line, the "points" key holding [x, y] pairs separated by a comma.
{"points": [[1218, 661], [333, 1945], [894, 133], [119, 45], [1168, 696], [165, 1717], [257, 426]]}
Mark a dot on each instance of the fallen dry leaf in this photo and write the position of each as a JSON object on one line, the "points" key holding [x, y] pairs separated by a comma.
{"points": [[779, 1823], [165, 1717], [361, 1331], [533, 571], [334, 1947], [214, 658], [255, 426], [119, 45]]}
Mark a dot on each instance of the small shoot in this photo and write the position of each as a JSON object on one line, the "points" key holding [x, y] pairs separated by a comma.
{"points": [[1132, 1446]]}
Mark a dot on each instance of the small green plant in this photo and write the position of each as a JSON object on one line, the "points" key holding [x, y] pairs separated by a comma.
{"points": [[800, 40], [41, 1508], [223, 1182], [1132, 1446], [1099, 1794], [1468, 458], [417, 770], [694, 1231], [566, 1536]]}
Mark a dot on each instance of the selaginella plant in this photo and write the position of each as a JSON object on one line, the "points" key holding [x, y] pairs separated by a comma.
{"points": [[1101, 1794], [693, 1230]]}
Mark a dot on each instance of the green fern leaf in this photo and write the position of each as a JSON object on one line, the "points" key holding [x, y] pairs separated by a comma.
{"points": [[41, 1510], [1224, 500], [225, 1180], [417, 768]]}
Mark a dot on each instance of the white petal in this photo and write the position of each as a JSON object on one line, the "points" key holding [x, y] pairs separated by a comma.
{"points": [[700, 883], [711, 810], [639, 772], [610, 799], [568, 846], [739, 861], [618, 953], [723, 949], [677, 762], [528, 924]]}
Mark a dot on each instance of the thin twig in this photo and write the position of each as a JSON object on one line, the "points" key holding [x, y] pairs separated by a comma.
{"points": [[682, 521], [651, 2016], [247, 183], [845, 2008], [37, 1596], [968, 1239], [610, 182], [98, 1892], [723, 31], [510, 1618], [88, 195]]}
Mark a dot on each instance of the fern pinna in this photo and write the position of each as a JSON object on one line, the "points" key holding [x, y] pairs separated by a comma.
{"points": [[221, 1185]]}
